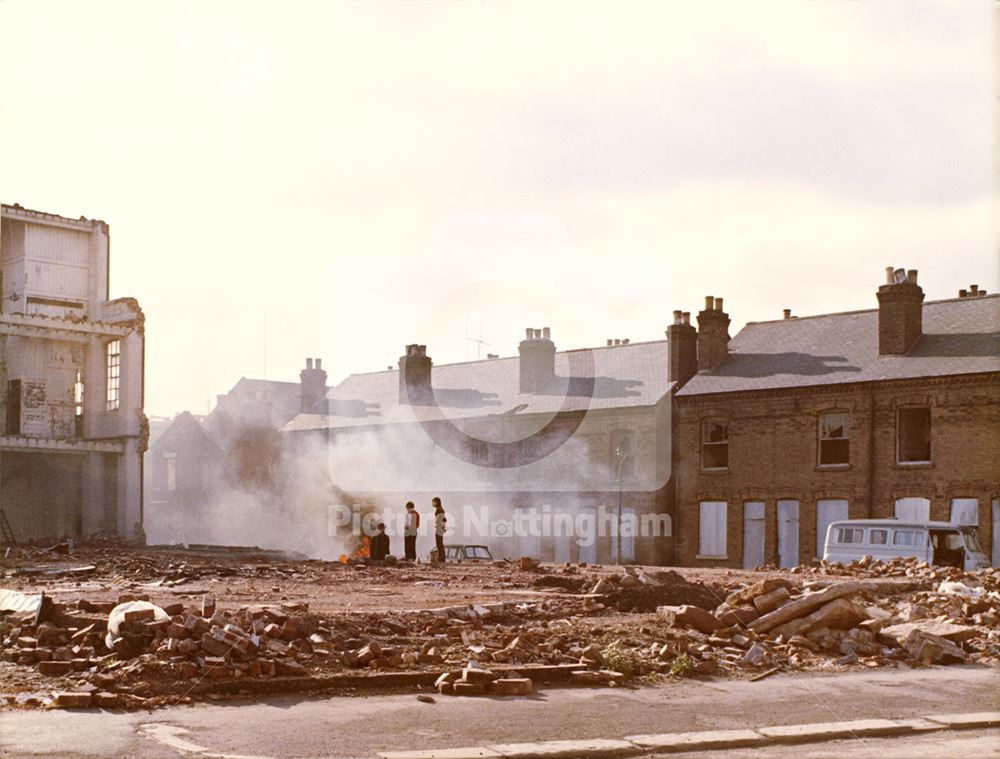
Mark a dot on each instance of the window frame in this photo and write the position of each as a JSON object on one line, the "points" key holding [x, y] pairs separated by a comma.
{"points": [[899, 437], [820, 439], [112, 375], [723, 444]]}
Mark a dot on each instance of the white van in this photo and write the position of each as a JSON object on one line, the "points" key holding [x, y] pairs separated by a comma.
{"points": [[941, 543]]}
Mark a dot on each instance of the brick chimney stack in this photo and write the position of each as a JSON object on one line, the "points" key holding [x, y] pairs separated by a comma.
{"points": [[713, 334], [415, 377], [900, 312], [538, 360], [312, 392], [682, 347]]}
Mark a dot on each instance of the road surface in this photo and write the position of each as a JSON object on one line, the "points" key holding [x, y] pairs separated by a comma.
{"points": [[361, 726]]}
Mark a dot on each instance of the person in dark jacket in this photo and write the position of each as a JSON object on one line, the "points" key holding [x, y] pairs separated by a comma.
{"points": [[439, 527], [380, 544]]}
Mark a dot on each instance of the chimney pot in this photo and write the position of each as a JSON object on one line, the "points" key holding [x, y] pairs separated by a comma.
{"points": [[319, 363], [625, 341], [309, 363], [974, 289], [788, 313], [546, 333], [911, 276], [528, 333], [617, 341], [686, 317], [610, 342], [718, 304], [709, 302], [982, 292], [677, 317], [963, 293], [888, 275]]}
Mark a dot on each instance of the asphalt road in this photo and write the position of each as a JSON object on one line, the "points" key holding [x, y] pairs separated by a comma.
{"points": [[361, 726]]}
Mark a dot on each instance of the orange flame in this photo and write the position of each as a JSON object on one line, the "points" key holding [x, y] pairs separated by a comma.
{"points": [[363, 552]]}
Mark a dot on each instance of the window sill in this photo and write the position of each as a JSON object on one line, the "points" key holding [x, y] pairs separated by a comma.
{"points": [[708, 557], [833, 467], [914, 465], [716, 470]]}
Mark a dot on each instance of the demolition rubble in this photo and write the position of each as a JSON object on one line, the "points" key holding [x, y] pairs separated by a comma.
{"points": [[133, 629]]}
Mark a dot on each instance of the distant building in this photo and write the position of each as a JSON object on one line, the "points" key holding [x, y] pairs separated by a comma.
{"points": [[545, 434], [191, 456], [893, 411], [72, 382]]}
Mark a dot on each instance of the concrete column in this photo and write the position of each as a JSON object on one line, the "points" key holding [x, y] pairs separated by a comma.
{"points": [[93, 498], [130, 490]]}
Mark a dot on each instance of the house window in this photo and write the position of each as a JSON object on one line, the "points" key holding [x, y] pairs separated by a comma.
{"points": [[621, 458], [114, 360], [712, 529], [715, 444], [913, 435], [834, 440]]}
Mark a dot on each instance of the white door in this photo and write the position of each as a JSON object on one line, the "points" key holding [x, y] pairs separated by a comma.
{"points": [[828, 510], [563, 554], [996, 532], [965, 510], [628, 529], [788, 533], [913, 509], [753, 534]]}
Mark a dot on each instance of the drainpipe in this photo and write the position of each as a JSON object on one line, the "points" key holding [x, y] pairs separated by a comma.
{"points": [[871, 451]]}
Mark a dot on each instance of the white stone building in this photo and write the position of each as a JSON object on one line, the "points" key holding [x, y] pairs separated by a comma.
{"points": [[71, 381]]}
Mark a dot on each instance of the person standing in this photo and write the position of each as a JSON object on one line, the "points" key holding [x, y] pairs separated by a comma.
{"points": [[410, 528], [439, 527]]}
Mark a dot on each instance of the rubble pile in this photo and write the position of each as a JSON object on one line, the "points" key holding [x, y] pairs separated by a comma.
{"points": [[515, 622], [777, 623]]}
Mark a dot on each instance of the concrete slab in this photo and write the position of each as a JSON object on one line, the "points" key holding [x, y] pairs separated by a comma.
{"points": [[473, 752], [967, 719], [921, 725], [588, 749], [699, 741], [824, 731]]}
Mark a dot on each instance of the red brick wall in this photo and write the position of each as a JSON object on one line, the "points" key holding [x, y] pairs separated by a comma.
{"points": [[773, 441]]}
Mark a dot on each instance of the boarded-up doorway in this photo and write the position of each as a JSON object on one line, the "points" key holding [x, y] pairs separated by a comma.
{"points": [[753, 534], [828, 510], [788, 533]]}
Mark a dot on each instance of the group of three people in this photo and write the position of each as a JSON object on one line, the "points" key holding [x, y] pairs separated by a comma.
{"points": [[380, 542]]}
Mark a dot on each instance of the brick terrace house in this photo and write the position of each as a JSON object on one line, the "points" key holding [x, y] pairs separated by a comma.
{"points": [[893, 411], [485, 434]]}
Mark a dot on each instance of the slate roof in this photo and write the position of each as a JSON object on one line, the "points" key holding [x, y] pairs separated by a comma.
{"points": [[625, 376], [960, 336]]}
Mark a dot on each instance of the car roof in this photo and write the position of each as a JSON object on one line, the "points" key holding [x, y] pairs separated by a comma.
{"points": [[901, 523]]}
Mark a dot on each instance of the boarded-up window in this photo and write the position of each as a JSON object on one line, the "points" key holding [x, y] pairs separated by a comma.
{"points": [[834, 439], [715, 444], [913, 435], [965, 510], [712, 528]]}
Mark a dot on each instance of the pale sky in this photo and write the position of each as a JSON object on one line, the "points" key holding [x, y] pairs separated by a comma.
{"points": [[292, 179]]}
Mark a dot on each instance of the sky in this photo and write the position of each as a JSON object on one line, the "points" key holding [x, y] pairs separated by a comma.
{"points": [[338, 179]]}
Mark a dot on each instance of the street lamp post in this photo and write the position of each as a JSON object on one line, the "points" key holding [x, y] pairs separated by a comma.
{"points": [[621, 454]]}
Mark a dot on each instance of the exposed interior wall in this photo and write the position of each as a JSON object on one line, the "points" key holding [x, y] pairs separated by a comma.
{"points": [[42, 494]]}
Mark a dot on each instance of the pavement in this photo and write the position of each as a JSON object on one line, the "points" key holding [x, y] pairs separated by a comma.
{"points": [[367, 726]]}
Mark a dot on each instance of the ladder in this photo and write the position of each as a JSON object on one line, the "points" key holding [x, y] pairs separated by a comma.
{"points": [[6, 531]]}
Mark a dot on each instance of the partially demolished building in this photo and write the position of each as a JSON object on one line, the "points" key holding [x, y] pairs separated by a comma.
{"points": [[71, 362]]}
